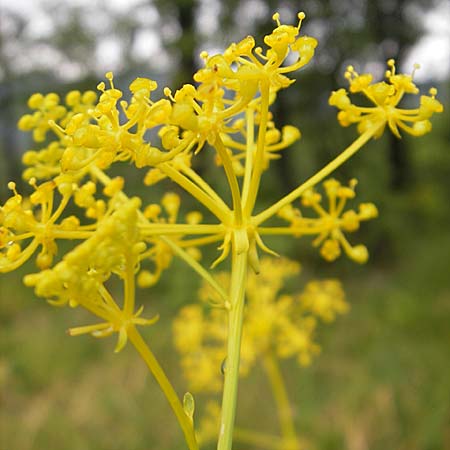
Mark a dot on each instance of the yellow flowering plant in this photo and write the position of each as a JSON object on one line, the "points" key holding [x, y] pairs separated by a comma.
{"points": [[133, 240], [278, 326]]}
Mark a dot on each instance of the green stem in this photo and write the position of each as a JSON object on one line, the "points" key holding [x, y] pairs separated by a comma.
{"points": [[196, 178], [197, 267], [231, 177], [129, 283], [161, 378], [258, 161], [156, 229], [250, 138], [319, 176], [189, 186], [291, 230], [236, 313]]}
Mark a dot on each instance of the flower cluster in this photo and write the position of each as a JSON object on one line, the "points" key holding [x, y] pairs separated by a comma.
{"points": [[108, 234], [27, 224], [79, 279], [385, 97], [331, 221], [275, 323]]}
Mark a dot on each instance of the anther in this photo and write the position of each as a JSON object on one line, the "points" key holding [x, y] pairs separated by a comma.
{"points": [[350, 73], [109, 76], [276, 17], [301, 15], [391, 64], [168, 93]]}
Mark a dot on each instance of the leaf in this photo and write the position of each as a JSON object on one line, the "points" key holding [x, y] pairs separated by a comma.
{"points": [[189, 405]]}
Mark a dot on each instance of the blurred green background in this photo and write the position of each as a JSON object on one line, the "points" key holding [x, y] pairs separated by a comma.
{"points": [[382, 381]]}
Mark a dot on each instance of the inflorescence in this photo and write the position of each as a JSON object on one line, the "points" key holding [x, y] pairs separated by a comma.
{"points": [[110, 234]]}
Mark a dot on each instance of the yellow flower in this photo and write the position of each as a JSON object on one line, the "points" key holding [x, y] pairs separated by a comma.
{"points": [[32, 222], [79, 279], [324, 298], [274, 323], [160, 253], [47, 109], [330, 224], [385, 97]]}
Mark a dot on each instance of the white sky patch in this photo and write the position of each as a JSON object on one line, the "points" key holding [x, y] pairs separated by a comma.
{"points": [[97, 21], [108, 54], [121, 6], [43, 57], [434, 64], [40, 27], [146, 45], [432, 51], [24, 8], [147, 15], [70, 71], [207, 18], [249, 13]]}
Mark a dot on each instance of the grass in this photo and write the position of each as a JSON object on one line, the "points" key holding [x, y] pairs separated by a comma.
{"points": [[380, 383]]}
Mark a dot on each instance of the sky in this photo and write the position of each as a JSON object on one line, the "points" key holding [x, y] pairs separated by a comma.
{"points": [[431, 51]]}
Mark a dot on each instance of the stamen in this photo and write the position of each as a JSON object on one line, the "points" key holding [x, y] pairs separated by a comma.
{"points": [[350, 73], [259, 52], [416, 66], [12, 187], [391, 64], [109, 76], [168, 93], [59, 131], [276, 17], [32, 182], [301, 15]]}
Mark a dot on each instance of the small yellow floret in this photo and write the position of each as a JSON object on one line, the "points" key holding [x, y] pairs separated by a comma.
{"points": [[385, 97]]}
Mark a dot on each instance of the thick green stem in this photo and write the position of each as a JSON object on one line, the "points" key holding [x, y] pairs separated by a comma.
{"points": [[156, 370], [229, 399], [260, 147]]}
